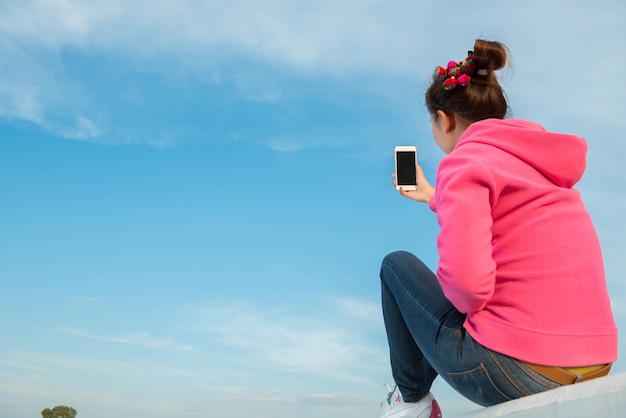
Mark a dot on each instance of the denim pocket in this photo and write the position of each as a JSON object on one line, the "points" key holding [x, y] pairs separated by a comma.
{"points": [[477, 386]]}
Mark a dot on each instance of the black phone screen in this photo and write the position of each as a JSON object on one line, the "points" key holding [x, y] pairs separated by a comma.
{"points": [[406, 168]]}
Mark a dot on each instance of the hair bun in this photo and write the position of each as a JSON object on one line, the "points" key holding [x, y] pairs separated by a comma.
{"points": [[490, 55], [480, 99]]}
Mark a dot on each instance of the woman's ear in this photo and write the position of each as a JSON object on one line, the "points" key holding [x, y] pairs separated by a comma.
{"points": [[449, 123]]}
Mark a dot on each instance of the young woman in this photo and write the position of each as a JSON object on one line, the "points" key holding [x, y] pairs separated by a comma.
{"points": [[518, 304]]}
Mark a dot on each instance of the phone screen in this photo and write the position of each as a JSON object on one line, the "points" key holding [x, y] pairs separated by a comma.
{"points": [[406, 168]]}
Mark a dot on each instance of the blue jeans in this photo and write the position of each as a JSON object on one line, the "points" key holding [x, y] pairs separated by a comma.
{"points": [[426, 338]]}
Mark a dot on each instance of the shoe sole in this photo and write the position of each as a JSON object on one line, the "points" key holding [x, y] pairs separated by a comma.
{"points": [[436, 412]]}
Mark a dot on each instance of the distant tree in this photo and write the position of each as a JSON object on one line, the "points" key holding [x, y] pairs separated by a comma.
{"points": [[60, 411]]}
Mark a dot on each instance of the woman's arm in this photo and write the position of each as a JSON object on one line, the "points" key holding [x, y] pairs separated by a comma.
{"points": [[467, 270]]}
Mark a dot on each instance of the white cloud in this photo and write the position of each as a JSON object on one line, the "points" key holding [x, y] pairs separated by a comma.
{"points": [[282, 397], [332, 399], [283, 340], [316, 38], [21, 102], [142, 339], [82, 129], [178, 39], [319, 35], [256, 395], [367, 311]]}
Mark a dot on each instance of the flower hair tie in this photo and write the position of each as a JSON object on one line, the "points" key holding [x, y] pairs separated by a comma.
{"points": [[457, 73]]}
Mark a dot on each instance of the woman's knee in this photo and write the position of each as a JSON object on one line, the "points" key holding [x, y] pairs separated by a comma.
{"points": [[396, 263], [405, 266], [397, 257]]}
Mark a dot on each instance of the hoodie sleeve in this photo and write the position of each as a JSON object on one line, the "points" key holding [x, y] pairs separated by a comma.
{"points": [[463, 201]]}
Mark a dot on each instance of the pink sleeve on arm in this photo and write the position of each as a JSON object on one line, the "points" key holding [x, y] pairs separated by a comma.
{"points": [[463, 201]]}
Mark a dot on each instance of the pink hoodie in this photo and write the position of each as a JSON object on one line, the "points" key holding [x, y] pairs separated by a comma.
{"points": [[518, 251]]}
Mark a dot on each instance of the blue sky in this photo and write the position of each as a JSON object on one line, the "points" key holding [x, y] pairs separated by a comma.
{"points": [[196, 196]]}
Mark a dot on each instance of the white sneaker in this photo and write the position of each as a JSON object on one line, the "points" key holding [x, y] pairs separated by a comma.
{"points": [[394, 407]]}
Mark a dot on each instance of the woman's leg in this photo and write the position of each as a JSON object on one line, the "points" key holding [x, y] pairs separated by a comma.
{"points": [[426, 338], [410, 290]]}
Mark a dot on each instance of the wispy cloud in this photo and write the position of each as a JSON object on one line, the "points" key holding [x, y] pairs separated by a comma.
{"points": [[256, 48], [236, 44], [34, 380], [367, 311], [283, 31], [255, 395], [332, 399], [282, 397], [285, 341], [142, 339]]}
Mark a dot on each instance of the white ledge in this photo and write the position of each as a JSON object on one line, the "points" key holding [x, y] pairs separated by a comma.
{"points": [[602, 397]]}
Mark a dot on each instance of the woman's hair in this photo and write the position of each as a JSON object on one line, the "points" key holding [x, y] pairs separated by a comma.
{"points": [[483, 97]]}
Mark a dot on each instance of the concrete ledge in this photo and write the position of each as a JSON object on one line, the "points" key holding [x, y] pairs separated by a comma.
{"points": [[602, 397]]}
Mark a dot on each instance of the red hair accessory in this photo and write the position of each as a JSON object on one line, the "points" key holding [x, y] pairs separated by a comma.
{"points": [[464, 80], [449, 83], [457, 73], [441, 73]]}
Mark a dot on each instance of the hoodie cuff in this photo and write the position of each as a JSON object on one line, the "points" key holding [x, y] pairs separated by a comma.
{"points": [[433, 203]]}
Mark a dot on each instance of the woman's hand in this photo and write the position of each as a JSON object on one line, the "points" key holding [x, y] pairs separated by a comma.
{"points": [[424, 190]]}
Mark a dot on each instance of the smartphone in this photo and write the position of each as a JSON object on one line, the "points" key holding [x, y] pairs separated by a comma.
{"points": [[406, 158]]}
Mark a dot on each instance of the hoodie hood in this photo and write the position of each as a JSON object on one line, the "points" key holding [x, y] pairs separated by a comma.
{"points": [[559, 157]]}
